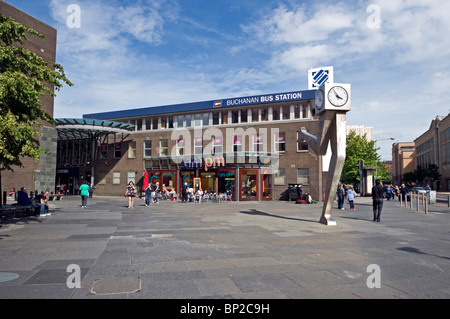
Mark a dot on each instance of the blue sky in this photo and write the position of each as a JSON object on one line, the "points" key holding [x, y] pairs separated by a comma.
{"points": [[132, 54]]}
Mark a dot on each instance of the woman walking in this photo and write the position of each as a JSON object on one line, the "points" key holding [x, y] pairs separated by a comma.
{"points": [[130, 193]]}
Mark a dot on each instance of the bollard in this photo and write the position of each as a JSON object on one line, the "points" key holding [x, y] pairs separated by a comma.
{"points": [[448, 200], [426, 207], [4, 198], [418, 206]]}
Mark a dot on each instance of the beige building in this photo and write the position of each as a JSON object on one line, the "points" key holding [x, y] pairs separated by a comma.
{"points": [[360, 130], [402, 161]]}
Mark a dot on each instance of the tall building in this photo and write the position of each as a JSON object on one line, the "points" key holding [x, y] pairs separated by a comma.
{"points": [[403, 155], [41, 175], [360, 130]]}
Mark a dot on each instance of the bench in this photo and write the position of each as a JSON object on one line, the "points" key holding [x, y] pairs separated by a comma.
{"points": [[14, 210]]}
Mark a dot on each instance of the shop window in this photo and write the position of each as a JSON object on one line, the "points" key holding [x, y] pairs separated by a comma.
{"points": [[280, 142], [198, 146], [302, 146], [132, 149], [279, 176], [116, 178], [266, 184], [147, 148], [163, 147], [249, 184], [303, 176], [226, 182]]}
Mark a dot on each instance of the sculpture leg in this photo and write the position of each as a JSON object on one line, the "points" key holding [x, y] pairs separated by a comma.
{"points": [[338, 147]]}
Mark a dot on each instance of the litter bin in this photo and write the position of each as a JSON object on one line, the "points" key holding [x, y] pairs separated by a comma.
{"points": [[293, 192]]}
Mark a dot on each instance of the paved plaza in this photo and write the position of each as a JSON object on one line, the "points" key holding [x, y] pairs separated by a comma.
{"points": [[232, 250]]}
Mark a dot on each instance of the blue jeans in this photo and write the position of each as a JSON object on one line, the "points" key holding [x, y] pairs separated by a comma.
{"points": [[148, 198], [44, 209], [83, 200]]}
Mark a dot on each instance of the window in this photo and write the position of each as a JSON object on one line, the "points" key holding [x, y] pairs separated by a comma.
{"points": [[237, 143], [235, 116], [216, 116], [154, 123], [198, 119], [198, 146], [116, 178], [225, 117], [217, 145], [118, 150], [279, 177], [280, 142], [163, 122], [286, 112], [180, 147], [244, 116], [103, 151], [131, 177], [302, 146], [258, 143], [170, 122], [148, 149], [205, 119], [264, 114], [188, 120], [255, 115], [275, 114], [180, 120], [132, 149], [297, 111], [163, 147], [303, 176], [305, 110]]}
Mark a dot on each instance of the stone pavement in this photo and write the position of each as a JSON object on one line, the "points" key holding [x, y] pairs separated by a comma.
{"points": [[246, 250]]}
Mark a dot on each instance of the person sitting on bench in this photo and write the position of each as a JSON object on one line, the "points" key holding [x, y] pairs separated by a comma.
{"points": [[22, 197]]}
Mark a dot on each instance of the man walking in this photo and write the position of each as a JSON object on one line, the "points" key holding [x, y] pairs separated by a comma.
{"points": [[377, 197]]}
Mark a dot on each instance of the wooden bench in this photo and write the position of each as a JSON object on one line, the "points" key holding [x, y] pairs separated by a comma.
{"points": [[15, 210]]}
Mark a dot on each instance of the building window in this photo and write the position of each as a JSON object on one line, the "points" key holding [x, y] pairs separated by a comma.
{"points": [[103, 150], [198, 146], [237, 143], [132, 149], [163, 147], [154, 123], [217, 145], [264, 114], [280, 142], [163, 122], [198, 119], [235, 116], [170, 124], [131, 177], [225, 117], [244, 116], [297, 111], [180, 147], [255, 115], [216, 117], [180, 121], [116, 178], [275, 114], [205, 119], [302, 146], [303, 176], [258, 143], [286, 112], [279, 176], [147, 149], [118, 150], [188, 120]]}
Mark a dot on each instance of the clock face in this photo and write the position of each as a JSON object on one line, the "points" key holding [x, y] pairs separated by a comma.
{"points": [[319, 99], [338, 96]]}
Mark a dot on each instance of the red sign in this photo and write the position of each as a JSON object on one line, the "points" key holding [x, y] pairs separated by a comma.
{"points": [[217, 103]]}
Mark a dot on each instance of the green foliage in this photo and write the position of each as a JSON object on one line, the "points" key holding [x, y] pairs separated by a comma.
{"points": [[420, 174], [360, 149], [24, 79]]}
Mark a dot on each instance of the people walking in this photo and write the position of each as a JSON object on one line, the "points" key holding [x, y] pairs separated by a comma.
{"points": [[130, 193], [340, 196], [377, 200], [184, 193], [155, 199], [84, 192], [148, 194], [351, 197]]}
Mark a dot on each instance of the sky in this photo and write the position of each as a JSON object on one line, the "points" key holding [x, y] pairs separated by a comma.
{"points": [[123, 54]]}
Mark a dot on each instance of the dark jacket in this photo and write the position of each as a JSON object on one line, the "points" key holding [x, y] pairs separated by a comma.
{"points": [[378, 192]]}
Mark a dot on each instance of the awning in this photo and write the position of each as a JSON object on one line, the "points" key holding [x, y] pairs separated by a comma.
{"points": [[80, 129]]}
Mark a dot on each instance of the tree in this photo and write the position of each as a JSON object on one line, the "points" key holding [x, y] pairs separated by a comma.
{"points": [[24, 79], [360, 149]]}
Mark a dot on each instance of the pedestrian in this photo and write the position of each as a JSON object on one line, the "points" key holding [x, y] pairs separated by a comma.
{"points": [[404, 191], [388, 192], [43, 202], [351, 197], [155, 199], [84, 192], [184, 193], [377, 200], [130, 193], [340, 196], [148, 195], [91, 190]]}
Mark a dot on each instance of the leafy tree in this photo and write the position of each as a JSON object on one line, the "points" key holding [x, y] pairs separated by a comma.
{"points": [[361, 149], [24, 79]]}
